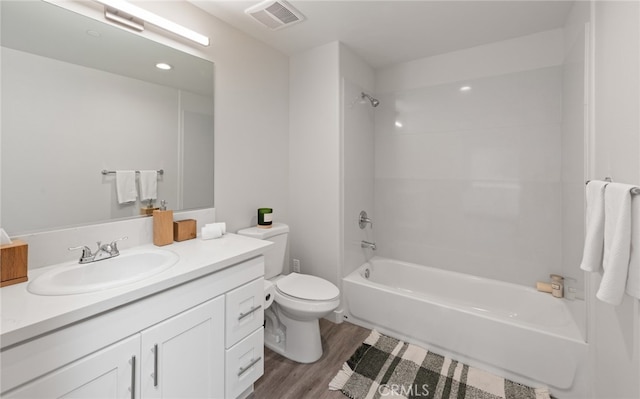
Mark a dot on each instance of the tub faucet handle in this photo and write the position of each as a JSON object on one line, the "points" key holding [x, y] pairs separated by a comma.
{"points": [[364, 219]]}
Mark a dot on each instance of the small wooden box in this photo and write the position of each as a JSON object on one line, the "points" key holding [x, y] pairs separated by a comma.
{"points": [[13, 263], [148, 211], [184, 229]]}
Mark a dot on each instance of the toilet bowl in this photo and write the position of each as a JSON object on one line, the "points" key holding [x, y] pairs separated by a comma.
{"points": [[299, 301]]}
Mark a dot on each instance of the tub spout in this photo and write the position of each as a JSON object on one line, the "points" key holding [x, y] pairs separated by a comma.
{"points": [[367, 244]]}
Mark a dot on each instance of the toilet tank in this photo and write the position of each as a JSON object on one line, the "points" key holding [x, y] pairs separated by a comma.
{"points": [[274, 257]]}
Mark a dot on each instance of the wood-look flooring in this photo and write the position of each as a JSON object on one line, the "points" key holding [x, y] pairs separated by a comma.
{"points": [[286, 379]]}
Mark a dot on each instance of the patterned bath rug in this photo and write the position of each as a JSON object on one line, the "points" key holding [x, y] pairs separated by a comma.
{"points": [[386, 367]]}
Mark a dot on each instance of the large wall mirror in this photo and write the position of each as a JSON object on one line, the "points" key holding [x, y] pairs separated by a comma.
{"points": [[80, 96]]}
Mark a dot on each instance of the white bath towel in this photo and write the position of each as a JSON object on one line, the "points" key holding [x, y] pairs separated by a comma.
{"points": [[617, 243], [148, 184], [594, 239], [126, 186], [633, 280]]}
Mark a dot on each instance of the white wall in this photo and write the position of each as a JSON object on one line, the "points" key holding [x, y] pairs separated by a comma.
{"points": [[251, 111], [331, 155], [520, 54], [615, 330], [357, 157], [314, 161], [574, 133], [471, 180]]}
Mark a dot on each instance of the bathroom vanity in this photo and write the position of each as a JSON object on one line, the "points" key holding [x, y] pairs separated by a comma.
{"points": [[194, 330]]}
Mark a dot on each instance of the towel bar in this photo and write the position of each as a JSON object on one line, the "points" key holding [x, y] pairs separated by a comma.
{"points": [[109, 172], [634, 190]]}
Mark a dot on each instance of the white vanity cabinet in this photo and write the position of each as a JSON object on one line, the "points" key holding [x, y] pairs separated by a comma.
{"points": [[183, 357], [172, 344], [108, 373]]}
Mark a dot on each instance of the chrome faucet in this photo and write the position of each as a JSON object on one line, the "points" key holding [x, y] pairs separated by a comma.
{"points": [[367, 244], [105, 251]]}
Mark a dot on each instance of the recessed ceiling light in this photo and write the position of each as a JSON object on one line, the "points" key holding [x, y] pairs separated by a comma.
{"points": [[465, 88], [93, 33], [398, 124], [164, 66]]}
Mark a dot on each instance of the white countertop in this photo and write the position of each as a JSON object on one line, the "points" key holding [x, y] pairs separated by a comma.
{"points": [[25, 315]]}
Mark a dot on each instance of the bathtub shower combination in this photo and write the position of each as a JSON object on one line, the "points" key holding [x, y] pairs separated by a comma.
{"points": [[507, 328]]}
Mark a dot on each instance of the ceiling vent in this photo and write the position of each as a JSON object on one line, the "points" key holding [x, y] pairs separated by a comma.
{"points": [[275, 14]]}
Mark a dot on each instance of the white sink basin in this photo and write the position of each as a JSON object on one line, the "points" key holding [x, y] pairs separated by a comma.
{"points": [[130, 266]]}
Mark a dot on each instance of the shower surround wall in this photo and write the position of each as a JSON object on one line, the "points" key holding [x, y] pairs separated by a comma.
{"points": [[469, 180]]}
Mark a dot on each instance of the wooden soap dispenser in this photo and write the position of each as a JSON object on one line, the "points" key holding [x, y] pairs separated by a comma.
{"points": [[162, 225]]}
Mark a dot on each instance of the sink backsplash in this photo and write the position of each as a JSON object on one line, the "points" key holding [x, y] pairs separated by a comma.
{"points": [[50, 247]]}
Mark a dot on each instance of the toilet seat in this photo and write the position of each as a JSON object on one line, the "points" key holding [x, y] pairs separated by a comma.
{"points": [[307, 288]]}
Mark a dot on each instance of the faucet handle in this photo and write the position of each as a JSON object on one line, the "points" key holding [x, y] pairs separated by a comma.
{"points": [[114, 245], [86, 251]]}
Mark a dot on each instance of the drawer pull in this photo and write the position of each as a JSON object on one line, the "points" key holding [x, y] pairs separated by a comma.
{"points": [[251, 363], [243, 315], [133, 377], [155, 365]]}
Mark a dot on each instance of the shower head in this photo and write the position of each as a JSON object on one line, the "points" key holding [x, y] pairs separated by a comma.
{"points": [[373, 101]]}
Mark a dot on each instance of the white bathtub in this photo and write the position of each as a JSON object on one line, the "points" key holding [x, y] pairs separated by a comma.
{"points": [[511, 329]]}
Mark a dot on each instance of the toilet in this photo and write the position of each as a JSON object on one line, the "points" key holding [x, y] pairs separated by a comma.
{"points": [[291, 322]]}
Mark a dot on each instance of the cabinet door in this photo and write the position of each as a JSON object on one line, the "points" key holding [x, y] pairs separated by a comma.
{"points": [[183, 357], [109, 373]]}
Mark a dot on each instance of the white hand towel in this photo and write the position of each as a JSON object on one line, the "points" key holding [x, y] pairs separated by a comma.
{"points": [[148, 185], [211, 231], [594, 239], [126, 186], [222, 225], [617, 243], [633, 280]]}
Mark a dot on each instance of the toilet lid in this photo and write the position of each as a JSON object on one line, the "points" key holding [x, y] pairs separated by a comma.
{"points": [[307, 287]]}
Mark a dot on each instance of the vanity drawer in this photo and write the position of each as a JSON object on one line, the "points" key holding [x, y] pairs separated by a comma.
{"points": [[245, 311], [244, 364]]}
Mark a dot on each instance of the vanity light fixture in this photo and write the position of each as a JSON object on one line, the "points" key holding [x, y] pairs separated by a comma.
{"points": [[124, 19], [116, 10]]}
